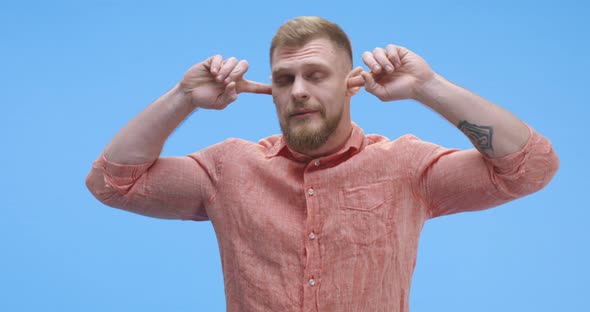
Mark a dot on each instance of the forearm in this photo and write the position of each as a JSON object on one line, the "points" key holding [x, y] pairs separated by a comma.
{"points": [[494, 131], [142, 139]]}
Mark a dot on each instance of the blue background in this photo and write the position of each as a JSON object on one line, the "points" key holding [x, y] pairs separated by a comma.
{"points": [[72, 73]]}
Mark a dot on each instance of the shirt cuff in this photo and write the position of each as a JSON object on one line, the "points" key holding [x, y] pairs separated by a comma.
{"points": [[512, 166], [120, 177]]}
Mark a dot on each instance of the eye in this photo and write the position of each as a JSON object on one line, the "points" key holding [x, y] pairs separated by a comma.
{"points": [[316, 76], [282, 80]]}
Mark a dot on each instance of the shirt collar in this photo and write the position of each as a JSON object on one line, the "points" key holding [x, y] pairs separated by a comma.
{"points": [[354, 144]]}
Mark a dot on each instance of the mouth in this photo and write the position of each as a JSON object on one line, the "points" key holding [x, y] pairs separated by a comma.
{"points": [[300, 114]]}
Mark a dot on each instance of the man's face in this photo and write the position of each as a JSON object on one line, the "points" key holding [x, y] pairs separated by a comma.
{"points": [[309, 92]]}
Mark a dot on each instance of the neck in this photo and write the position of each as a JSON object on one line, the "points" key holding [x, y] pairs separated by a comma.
{"points": [[335, 142]]}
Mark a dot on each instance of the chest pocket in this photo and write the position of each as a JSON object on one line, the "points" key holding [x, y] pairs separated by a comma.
{"points": [[365, 211]]}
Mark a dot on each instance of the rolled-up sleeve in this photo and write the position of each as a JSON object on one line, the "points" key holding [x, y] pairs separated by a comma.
{"points": [[168, 188], [452, 181]]}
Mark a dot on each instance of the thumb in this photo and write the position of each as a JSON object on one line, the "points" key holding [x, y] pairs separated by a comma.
{"points": [[229, 94]]}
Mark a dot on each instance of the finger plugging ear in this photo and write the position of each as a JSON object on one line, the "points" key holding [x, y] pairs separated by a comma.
{"points": [[253, 87], [355, 78], [355, 82], [368, 79], [356, 72]]}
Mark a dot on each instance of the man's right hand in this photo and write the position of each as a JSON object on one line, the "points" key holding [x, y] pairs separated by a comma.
{"points": [[215, 82]]}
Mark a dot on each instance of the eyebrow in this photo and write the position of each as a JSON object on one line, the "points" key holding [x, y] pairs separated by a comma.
{"points": [[305, 66]]}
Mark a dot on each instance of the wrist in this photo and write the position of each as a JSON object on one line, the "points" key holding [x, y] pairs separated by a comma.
{"points": [[182, 96], [430, 89]]}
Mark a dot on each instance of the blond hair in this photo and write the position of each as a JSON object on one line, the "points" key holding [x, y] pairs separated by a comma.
{"points": [[299, 31]]}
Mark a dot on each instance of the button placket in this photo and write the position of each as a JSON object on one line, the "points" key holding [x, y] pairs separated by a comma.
{"points": [[312, 265]]}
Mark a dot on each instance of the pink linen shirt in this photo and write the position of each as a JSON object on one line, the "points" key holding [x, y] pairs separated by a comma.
{"points": [[335, 233]]}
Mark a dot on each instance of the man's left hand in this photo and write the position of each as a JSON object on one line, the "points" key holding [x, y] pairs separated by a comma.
{"points": [[396, 73]]}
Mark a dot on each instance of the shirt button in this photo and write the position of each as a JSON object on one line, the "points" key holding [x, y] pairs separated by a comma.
{"points": [[311, 235], [311, 282], [310, 191], [317, 163]]}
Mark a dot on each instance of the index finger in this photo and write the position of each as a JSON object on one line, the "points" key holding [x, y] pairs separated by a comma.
{"points": [[254, 87]]}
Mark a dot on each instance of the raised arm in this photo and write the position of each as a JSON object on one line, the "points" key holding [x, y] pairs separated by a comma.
{"points": [[397, 73], [513, 159], [212, 84], [176, 187]]}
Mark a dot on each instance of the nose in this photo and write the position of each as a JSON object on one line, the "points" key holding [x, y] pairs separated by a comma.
{"points": [[299, 91]]}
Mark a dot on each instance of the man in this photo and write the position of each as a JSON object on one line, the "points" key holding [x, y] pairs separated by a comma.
{"points": [[322, 217]]}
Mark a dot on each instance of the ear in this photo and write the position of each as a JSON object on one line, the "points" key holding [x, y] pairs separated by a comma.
{"points": [[354, 81]]}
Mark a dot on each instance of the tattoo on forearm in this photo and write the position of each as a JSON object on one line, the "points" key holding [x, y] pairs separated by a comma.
{"points": [[480, 136]]}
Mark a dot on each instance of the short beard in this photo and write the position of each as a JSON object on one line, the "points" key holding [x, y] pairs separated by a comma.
{"points": [[309, 139]]}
